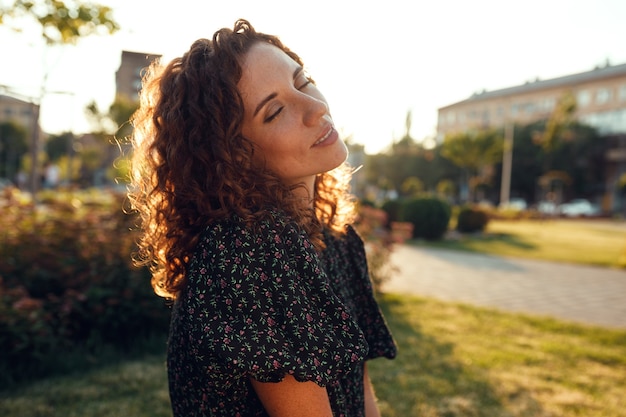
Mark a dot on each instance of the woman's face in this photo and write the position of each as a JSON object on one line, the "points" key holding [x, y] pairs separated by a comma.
{"points": [[287, 118]]}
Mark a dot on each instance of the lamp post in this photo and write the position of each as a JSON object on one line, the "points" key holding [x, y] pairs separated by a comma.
{"points": [[507, 162]]}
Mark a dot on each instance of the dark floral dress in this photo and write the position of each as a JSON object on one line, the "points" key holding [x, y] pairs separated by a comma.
{"points": [[265, 304]]}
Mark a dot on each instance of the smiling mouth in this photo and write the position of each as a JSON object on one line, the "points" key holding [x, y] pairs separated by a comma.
{"points": [[326, 136]]}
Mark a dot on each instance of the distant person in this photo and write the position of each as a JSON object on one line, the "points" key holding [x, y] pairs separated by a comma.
{"points": [[240, 177], [51, 175]]}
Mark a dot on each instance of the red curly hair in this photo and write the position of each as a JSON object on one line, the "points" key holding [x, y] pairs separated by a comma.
{"points": [[192, 166]]}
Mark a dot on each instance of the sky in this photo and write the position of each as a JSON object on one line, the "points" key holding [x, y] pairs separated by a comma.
{"points": [[374, 61]]}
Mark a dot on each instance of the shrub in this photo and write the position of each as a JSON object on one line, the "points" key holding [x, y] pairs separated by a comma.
{"points": [[392, 208], [430, 217], [471, 220], [67, 280], [378, 242]]}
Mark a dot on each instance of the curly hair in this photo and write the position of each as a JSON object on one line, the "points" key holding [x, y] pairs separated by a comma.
{"points": [[191, 165]]}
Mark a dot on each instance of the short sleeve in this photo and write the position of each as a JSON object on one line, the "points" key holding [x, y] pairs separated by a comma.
{"points": [[261, 305]]}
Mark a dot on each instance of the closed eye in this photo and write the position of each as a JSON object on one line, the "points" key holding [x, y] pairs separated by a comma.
{"points": [[307, 82], [273, 115], [302, 79]]}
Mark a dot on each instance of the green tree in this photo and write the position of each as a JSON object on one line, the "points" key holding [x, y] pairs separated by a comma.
{"points": [[58, 146], [13, 147], [112, 127], [60, 23], [578, 156], [474, 151]]}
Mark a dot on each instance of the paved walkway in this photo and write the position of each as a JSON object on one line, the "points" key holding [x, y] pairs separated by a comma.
{"points": [[575, 293]]}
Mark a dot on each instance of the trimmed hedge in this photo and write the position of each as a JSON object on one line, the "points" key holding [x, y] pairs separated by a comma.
{"points": [[472, 220], [430, 217], [67, 281]]}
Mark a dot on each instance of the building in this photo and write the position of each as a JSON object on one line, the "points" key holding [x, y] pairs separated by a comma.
{"points": [[23, 113], [600, 96], [600, 102], [17, 111], [130, 72]]}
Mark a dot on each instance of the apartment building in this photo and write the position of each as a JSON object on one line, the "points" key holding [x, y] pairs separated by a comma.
{"points": [[600, 95], [600, 102], [17, 111], [131, 70]]}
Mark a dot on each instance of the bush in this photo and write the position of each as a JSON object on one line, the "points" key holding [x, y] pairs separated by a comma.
{"points": [[430, 217], [378, 242], [67, 280], [471, 220], [392, 208]]}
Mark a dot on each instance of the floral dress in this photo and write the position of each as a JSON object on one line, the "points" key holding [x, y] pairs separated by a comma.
{"points": [[264, 304]]}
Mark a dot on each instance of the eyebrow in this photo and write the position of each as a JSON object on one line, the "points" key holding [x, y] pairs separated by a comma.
{"points": [[272, 96]]}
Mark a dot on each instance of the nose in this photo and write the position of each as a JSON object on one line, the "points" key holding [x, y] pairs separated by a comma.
{"points": [[314, 108]]}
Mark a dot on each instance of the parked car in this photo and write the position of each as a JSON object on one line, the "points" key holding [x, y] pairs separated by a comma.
{"points": [[547, 208], [4, 183], [579, 207], [516, 204]]}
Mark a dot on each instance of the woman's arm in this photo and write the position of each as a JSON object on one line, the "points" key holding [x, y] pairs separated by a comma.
{"points": [[371, 408], [289, 398]]}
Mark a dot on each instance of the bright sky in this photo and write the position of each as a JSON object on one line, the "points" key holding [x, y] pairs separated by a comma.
{"points": [[374, 61]]}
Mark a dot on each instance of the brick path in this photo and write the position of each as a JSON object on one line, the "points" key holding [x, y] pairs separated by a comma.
{"points": [[582, 294]]}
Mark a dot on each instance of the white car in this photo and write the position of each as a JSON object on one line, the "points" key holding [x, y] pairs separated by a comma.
{"points": [[579, 207], [515, 204]]}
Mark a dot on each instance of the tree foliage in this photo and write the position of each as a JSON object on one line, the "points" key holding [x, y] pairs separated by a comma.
{"points": [[579, 156], [13, 147], [61, 22], [474, 150], [58, 146]]}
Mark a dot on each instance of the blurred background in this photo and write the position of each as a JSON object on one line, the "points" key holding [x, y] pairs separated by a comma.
{"points": [[402, 75], [485, 125]]}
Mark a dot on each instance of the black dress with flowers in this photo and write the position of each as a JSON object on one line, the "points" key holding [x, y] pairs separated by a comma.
{"points": [[263, 305]]}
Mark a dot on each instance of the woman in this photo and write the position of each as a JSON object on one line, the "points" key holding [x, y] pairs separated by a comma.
{"points": [[239, 175]]}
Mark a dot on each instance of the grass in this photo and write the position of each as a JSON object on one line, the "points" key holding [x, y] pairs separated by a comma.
{"points": [[600, 243], [454, 360]]}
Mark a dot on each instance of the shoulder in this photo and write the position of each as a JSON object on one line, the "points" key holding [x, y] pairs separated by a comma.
{"points": [[275, 226], [274, 239], [349, 242]]}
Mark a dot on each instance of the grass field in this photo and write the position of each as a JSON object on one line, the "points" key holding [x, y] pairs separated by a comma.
{"points": [[591, 242], [454, 361]]}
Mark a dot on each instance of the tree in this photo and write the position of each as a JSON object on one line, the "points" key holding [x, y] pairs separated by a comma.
{"points": [[474, 151], [112, 128], [58, 146], [61, 23], [557, 128], [578, 156], [13, 147]]}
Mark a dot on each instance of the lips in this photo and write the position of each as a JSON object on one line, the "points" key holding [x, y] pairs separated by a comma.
{"points": [[323, 139]]}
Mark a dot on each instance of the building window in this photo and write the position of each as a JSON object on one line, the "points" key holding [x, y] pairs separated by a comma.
{"points": [[583, 98], [603, 96], [450, 117], [548, 104], [622, 93]]}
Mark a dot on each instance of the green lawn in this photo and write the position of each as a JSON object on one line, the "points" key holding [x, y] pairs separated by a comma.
{"points": [[592, 242], [454, 360]]}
